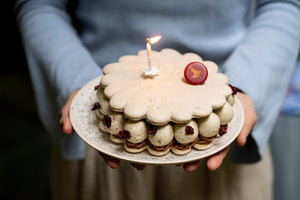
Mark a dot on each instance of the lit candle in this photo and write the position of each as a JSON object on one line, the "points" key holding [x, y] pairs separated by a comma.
{"points": [[151, 70]]}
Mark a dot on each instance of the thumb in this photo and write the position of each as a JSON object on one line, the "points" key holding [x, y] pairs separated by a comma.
{"points": [[250, 118]]}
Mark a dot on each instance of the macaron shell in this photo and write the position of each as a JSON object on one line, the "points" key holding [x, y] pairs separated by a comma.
{"points": [[163, 136], [225, 114], [134, 150], [116, 139], [180, 132], [202, 146], [99, 114], [157, 99], [137, 129], [209, 126], [117, 123], [180, 152], [157, 153], [103, 127], [231, 100], [103, 101], [211, 66]]}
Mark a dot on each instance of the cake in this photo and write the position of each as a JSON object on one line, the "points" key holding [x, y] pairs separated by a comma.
{"points": [[165, 112]]}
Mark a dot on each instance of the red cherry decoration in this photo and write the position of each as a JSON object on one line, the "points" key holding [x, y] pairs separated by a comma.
{"points": [[195, 73]]}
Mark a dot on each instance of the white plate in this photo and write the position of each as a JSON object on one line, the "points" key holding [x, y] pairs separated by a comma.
{"points": [[85, 123]]}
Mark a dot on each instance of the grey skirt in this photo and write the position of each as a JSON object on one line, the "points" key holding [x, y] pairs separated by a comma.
{"points": [[92, 179]]}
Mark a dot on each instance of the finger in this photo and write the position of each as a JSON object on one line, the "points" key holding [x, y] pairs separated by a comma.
{"points": [[110, 161], [138, 166], [250, 119], [189, 167], [242, 137], [65, 122], [215, 161]]}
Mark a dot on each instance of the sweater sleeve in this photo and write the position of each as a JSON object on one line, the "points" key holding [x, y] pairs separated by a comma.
{"points": [[262, 65], [53, 48], [58, 64]]}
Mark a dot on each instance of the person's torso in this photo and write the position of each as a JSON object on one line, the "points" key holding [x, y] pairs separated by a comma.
{"points": [[211, 28]]}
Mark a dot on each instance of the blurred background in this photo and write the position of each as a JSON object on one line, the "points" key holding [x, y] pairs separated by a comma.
{"points": [[24, 144]]}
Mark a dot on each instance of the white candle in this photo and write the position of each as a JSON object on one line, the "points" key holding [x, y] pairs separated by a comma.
{"points": [[151, 70], [148, 45]]}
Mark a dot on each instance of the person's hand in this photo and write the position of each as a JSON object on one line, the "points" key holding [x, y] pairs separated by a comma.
{"points": [[215, 161], [67, 128]]}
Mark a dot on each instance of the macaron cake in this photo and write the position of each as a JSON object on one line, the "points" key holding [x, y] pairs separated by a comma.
{"points": [[185, 106]]}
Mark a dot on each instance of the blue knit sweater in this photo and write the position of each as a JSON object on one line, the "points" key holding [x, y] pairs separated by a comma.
{"points": [[255, 43]]}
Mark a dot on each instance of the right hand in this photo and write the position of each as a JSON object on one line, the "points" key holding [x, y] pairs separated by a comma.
{"points": [[67, 128], [215, 161]]}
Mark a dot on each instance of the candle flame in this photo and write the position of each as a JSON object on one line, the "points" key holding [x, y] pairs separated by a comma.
{"points": [[154, 39]]}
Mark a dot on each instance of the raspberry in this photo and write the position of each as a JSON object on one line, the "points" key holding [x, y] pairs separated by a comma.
{"points": [[96, 87], [96, 106], [222, 130], [234, 90], [189, 130], [151, 130], [107, 121], [125, 134]]}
